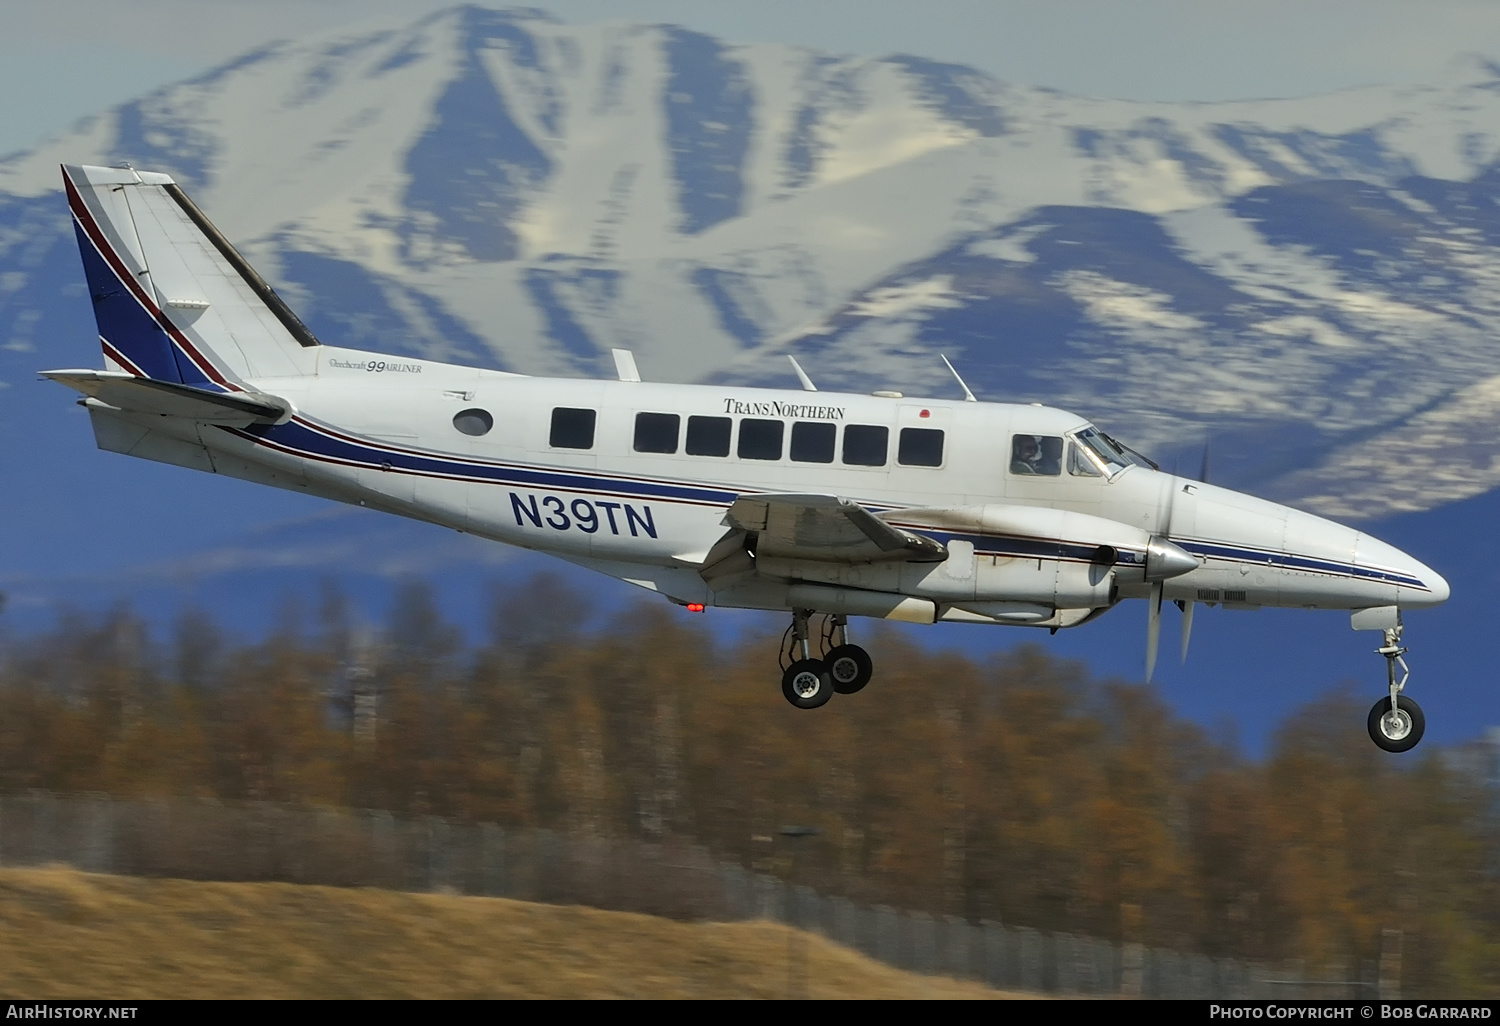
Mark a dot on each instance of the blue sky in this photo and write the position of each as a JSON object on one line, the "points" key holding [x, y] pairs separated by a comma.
{"points": [[64, 59]]}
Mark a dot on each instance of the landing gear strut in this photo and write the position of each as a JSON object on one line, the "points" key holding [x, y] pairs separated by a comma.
{"points": [[806, 682], [1396, 723], [809, 682]]}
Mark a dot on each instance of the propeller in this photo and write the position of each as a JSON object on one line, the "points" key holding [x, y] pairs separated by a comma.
{"points": [[1164, 560], [1186, 605], [1153, 628]]}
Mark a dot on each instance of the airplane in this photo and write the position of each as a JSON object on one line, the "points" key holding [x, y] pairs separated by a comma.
{"points": [[796, 500]]}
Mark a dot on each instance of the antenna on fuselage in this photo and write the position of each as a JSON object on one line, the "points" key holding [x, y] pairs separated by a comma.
{"points": [[968, 396], [807, 385], [625, 365]]}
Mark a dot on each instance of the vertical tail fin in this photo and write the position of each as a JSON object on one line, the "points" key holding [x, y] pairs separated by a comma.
{"points": [[173, 299]]}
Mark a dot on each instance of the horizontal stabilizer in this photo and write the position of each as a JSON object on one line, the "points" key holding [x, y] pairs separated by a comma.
{"points": [[168, 399]]}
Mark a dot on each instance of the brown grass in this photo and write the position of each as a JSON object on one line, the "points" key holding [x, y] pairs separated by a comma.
{"points": [[66, 934]]}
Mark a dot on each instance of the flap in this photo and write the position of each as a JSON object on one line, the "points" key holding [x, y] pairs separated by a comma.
{"points": [[828, 528]]}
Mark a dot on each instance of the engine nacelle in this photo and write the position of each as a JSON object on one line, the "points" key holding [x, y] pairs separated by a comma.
{"points": [[1015, 564], [1029, 554]]}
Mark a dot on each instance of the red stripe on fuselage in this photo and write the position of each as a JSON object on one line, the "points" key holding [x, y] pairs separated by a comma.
{"points": [[85, 218]]}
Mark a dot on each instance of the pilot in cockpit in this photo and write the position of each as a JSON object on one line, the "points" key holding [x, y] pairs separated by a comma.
{"points": [[1029, 456]]}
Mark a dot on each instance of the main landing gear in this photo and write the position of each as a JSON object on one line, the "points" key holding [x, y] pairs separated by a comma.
{"points": [[809, 682], [1396, 723]]}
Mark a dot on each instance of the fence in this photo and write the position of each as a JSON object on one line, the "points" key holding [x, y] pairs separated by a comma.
{"points": [[206, 840]]}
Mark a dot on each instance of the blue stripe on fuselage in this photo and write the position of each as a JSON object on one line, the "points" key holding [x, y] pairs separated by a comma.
{"points": [[303, 440], [1291, 561]]}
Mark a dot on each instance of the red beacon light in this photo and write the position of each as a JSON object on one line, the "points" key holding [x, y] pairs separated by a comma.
{"points": [[925, 413], [695, 607]]}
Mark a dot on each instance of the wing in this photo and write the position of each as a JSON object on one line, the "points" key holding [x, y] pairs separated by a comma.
{"points": [[826, 528], [144, 395]]}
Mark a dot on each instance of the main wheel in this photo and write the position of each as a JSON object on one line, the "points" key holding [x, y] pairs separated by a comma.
{"points": [[1399, 729], [806, 684], [850, 668]]}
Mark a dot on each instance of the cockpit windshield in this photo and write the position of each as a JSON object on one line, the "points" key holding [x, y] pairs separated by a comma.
{"points": [[1111, 456]]}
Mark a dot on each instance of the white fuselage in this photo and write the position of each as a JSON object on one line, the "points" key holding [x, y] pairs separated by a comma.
{"points": [[381, 431]]}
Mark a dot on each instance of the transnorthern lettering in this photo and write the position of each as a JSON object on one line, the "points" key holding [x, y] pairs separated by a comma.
{"points": [[776, 408]]}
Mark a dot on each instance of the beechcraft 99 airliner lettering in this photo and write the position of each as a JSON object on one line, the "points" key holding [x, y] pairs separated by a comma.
{"points": [[844, 505]]}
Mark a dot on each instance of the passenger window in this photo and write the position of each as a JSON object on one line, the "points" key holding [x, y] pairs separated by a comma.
{"points": [[708, 436], [1036, 454], [920, 447], [865, 445], [812, 442], [656, 432], [761, 439], [1079, 464], [572, 429], [474, 422]]}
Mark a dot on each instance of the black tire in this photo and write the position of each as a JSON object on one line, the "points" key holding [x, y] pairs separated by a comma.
{"points": [[806, 684], [1399, 736], [850, 668]]}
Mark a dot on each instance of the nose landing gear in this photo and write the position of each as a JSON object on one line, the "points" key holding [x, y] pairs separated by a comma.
{"points": [[1396, 723], [809, 682]]}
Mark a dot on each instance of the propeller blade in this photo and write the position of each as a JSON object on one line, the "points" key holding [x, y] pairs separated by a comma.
{"points": [[1187, 626], [1153, 628], [1171, 505], [1203, 469]]}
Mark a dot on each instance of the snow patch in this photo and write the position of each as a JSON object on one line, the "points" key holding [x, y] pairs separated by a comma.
{"points": [[1112, 302], [903, 300], [1010, 247]]}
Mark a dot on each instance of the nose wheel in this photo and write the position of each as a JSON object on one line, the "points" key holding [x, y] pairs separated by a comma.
{"points": [[1396, 723], [809, 682]]}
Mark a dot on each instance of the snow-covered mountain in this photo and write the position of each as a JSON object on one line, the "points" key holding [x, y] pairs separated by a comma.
{"points": [[1310, 283]]}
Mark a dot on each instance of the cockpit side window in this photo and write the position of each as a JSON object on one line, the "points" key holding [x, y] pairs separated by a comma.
{"points": [[1039, 455], [1079, 463]]}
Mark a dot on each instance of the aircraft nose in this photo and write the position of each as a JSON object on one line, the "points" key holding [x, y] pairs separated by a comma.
{"points": [[1437, 588], [1419, 585]]}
